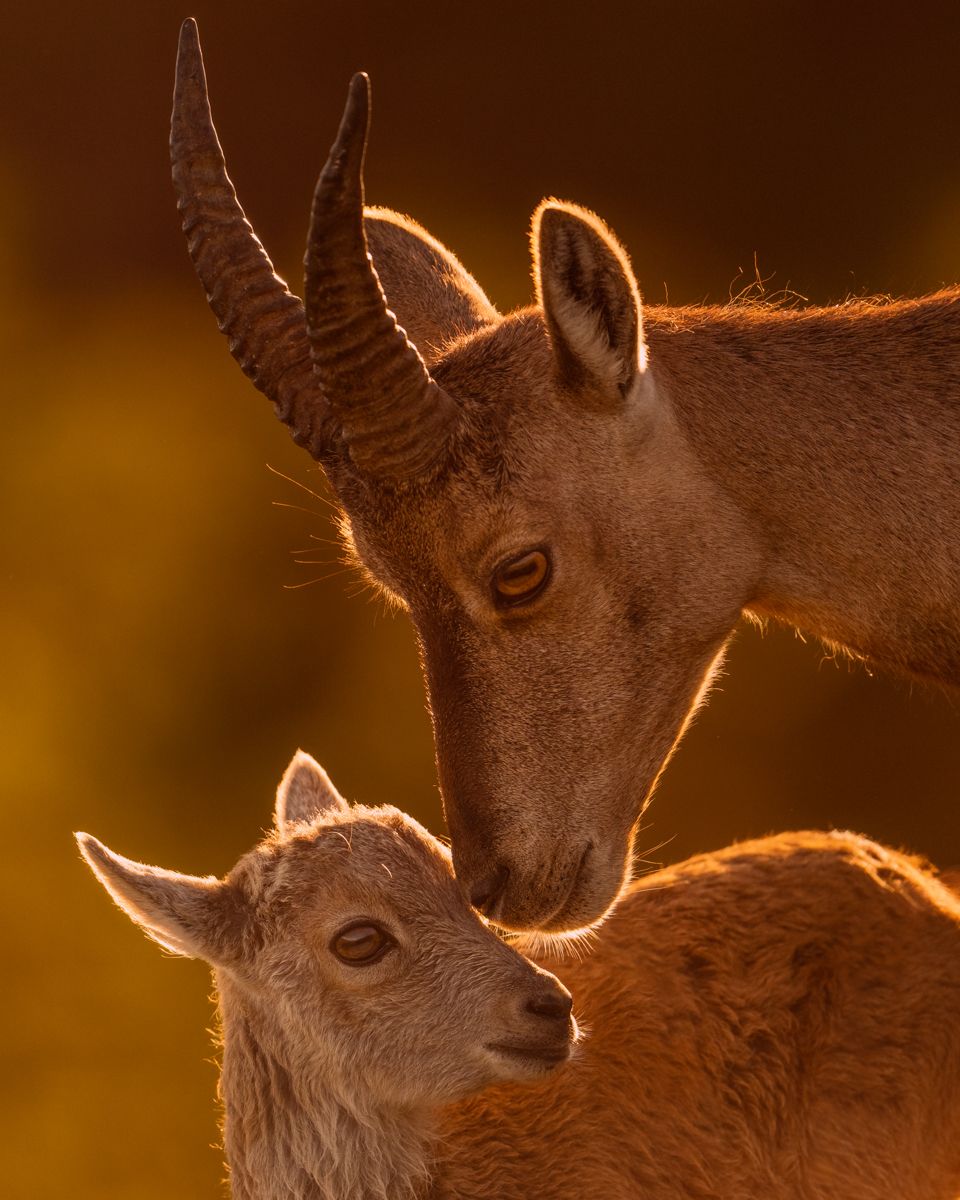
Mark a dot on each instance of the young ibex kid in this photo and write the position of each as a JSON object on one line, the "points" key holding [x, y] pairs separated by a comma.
{"points": [[777, 1020]]}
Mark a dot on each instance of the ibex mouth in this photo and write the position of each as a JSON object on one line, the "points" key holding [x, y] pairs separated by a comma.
{"points": [[549, 1055], [520, 906], [572, 903]]}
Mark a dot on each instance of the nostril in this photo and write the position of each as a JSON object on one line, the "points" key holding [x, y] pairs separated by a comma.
{"points": [[485, 893], [554, 1003]]}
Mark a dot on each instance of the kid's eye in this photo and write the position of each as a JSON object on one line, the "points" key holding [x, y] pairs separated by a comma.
{"points": [[361, 944]]}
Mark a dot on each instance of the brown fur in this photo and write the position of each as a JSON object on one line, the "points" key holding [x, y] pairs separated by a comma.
{"points": [[777, 1021], [677, 468], [780, 1020]]}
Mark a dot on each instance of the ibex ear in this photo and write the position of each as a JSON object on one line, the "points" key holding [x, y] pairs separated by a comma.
{"points": [[198, 918], [305, 792], [589, 297], [433, 296]]}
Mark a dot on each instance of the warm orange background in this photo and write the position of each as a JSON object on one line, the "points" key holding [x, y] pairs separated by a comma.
{"points": [[156, 673]]}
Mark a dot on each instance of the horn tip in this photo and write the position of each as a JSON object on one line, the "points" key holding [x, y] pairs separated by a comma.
{"points": [[358, 94], [352, 134], [189, 32], [189, 54], [190, 85]]}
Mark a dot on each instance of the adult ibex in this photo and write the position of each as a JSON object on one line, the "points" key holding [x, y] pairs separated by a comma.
{"points": [[778, 1021], [576, 502]]}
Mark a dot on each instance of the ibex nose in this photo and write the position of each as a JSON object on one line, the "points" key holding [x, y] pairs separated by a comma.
{"points": [[486, 892], [553, 1002]]}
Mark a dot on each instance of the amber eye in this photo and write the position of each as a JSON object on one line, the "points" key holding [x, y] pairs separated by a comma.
{"points": [[521, 578], [361, 944]]}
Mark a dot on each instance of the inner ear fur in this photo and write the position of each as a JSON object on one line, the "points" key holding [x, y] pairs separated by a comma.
{"points": [[433, 296], [588, 293]]}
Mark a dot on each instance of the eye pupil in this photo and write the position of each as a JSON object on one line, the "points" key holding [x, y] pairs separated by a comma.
{"points": [[521, 578], [521, 574], [363, 943]]}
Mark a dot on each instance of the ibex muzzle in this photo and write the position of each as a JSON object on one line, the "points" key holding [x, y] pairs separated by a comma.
{"points": [[573, 532]]}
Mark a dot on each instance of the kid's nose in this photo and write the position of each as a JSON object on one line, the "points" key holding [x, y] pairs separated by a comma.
{"points": [[553, 1002]]}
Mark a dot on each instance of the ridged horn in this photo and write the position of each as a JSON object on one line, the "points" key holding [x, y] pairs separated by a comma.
{"points": [[396, 421], [264, 322]]}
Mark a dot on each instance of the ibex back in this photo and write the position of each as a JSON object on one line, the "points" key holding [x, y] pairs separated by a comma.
{"points": [[576, 502]]}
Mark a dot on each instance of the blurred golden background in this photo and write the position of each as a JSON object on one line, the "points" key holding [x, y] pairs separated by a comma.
{"points": [[159, 669]]}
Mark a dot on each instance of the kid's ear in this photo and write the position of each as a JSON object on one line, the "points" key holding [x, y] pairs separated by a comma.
{"points": [[589, 297], [305, 792], [198, 918]]}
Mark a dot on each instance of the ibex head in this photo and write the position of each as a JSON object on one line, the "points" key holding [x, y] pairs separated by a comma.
{"points": [[518, 482], [345, 940]]}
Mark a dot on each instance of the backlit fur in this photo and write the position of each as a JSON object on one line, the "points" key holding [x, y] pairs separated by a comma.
{"points": [[780, 1020]]}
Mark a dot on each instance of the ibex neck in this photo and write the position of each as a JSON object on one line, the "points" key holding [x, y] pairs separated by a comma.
{"points": [[837, 432], [289, 1136]]}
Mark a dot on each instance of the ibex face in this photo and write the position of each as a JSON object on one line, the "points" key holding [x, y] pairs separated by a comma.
{"points": [[555, 704], [519, 483], [345, 940]]}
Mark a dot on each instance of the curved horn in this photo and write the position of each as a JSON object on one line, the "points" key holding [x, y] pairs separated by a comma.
{"points": [[264, 322], [396, 421]]}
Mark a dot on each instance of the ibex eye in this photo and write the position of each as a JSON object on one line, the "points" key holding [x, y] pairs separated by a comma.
{"points": [[361, 944], [520, 579]]}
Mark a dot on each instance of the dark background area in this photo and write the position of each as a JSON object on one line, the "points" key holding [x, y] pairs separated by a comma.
{"points": [[157, 667]]}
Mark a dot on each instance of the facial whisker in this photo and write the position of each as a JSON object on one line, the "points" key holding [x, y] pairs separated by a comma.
{"points": [[298, 508], [292, 587], [302, 486], [320, 541]]}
